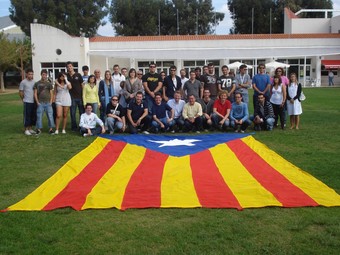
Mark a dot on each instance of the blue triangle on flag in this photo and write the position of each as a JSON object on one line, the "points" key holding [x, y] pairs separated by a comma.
{"points": [[176, 145]]}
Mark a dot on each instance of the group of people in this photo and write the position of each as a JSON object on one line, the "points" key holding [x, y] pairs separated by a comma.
{"points": [[151, 102]]}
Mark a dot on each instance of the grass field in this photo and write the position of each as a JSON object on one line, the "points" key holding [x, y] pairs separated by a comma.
{"points": [[26, 162]]}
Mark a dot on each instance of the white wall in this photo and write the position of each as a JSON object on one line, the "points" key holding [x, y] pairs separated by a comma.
{"points": [[335, 23], [310, 26]]}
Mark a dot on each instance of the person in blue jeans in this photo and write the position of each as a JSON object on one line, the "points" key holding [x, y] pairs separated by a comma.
{"points": [[239, 114], [43, 95], [160, 120], [264, 117]]}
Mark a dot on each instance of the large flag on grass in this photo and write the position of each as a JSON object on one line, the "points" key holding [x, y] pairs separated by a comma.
{"points": [[212, 171]]}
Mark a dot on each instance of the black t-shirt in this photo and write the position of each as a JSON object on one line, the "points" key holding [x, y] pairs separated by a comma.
{"points": [[110, 109], [76, 81], [152, 80], [137, 110]]}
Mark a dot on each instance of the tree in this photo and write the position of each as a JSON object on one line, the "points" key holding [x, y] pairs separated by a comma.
{"points": [[142, 17], [13, 54], [74, 17], [241, 13]]}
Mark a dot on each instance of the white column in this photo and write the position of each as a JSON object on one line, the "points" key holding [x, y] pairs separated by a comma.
{"points": [[318, 71]]}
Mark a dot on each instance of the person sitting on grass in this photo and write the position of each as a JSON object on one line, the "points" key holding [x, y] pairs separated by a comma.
{"points": [[239, 115], [264, 117], [160, 120], [115, 116], [221, 111], [88, 123], [192, 115]]}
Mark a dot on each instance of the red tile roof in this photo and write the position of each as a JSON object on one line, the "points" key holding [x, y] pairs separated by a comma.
{"points": [[210, 37], [290, 14]]}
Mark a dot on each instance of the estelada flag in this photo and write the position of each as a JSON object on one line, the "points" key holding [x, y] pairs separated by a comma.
{"points": [[159, 171]]}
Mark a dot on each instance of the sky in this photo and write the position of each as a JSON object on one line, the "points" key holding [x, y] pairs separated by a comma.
{"points": [[219, 6]]}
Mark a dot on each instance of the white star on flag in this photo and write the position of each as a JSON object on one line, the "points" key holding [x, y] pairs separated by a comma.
{"points": [[176, 142]]}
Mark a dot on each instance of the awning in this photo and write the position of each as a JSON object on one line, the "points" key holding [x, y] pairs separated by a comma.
{"points": [[331, 64]]}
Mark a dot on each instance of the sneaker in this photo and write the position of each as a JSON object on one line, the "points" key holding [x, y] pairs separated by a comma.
{"points": [[198, 132], [32, 132], [51, 132], [38, 132], [56, 132], [63, 132], [27, 132], [146, 132], [236, 130], [172, 131], [111, 133], [86, 134], [242, 131]]}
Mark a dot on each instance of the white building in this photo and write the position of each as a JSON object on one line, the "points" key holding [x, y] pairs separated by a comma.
{"points": [[303, 51]]}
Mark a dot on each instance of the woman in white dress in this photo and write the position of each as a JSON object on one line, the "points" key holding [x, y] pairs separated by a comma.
{"points": [[293, 101], [62, 100]]}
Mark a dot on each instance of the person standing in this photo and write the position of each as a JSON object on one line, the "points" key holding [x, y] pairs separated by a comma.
{"points": [[26, 94], [85, 76], [132, 86], [294, 107], [330, 78], [261, 84], [76, 81], [210, 81], [62, 100], [90, 93], [184, 77], [227, 83], [278, 100], [43, 95], [105, 92], [117, 78], [97, 75], [171, 84], [193, 87], [243, 83], [152, 84]]}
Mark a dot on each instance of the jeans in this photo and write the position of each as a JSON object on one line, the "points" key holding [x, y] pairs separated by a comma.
{"points": [[244, 124], [102, 109], [216, 121], [95, 131], [150, 102], [156, 126], [113, 124], [76, 102], [45, 107], [144, 125]]}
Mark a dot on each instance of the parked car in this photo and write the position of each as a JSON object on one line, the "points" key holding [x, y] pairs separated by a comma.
{"points": [[12, 78]]}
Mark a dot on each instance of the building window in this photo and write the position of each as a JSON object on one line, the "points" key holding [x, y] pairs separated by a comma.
{"points": [[54, 68], [161, 66]]}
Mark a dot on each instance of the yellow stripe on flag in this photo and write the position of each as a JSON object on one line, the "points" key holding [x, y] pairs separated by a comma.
{"points": [[40, 197], [318, 191], [109, 191], [177, 185], [246, 189]]}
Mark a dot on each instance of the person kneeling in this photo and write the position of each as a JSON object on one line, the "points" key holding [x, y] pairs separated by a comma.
{"points": [[115, 114], [88, 122], [264, 117]]}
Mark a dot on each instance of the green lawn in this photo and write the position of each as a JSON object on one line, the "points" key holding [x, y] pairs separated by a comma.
{"points": [[26, 162]]}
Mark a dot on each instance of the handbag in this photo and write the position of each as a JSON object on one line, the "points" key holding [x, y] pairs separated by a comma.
{"points": [[302, 96]]}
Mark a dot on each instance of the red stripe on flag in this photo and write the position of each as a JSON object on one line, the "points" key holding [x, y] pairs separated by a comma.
{"points": [[144, 187], [211, 189], [284, 191], [75, 193]]}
